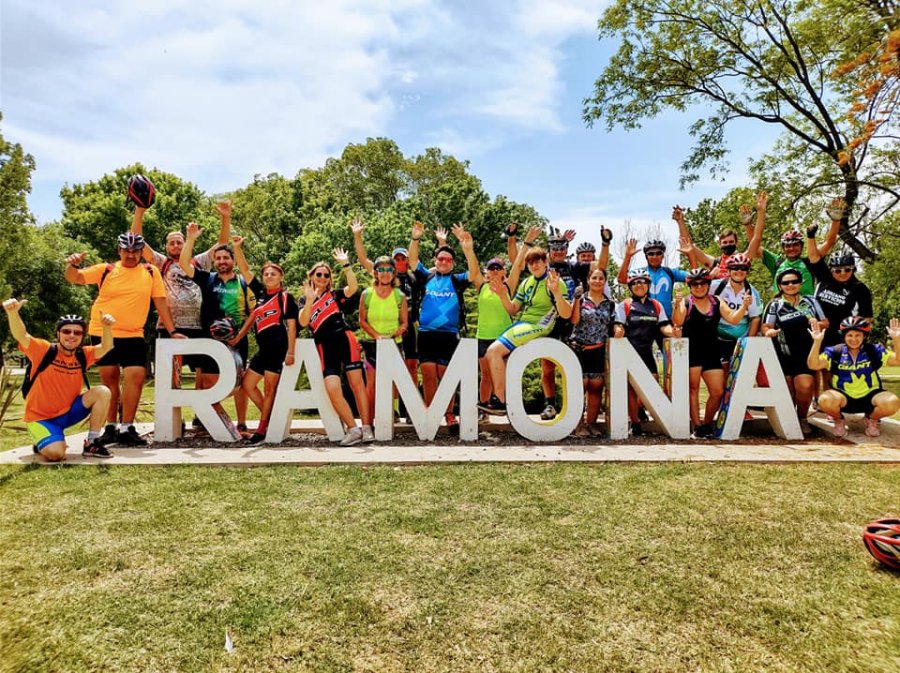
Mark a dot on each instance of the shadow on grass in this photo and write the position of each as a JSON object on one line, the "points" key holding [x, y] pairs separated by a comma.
{"points": [[31, 467]]}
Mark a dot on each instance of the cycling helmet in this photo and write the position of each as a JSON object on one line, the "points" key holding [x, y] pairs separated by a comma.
{"points": [[223, 329], [585, 247], [131, 241], [654, 244], [855, 322], [841, 259], [70, 319], [141, 191], [638, 274], [882, 540], [792, 236], [738, 261], [700, 273], [556, 236]]}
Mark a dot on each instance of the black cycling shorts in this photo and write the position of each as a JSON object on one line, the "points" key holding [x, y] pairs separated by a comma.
{"points": [[370, 348], [410, 352], [861, 405], [126, 352], [340, 352], [437, 347]]}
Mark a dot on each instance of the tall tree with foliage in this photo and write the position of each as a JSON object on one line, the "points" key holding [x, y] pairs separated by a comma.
{"points": [[762, 60]]}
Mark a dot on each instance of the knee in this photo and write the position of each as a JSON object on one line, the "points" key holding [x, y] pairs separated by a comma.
{"points": [[101, 393], [54, 452], [887, 403]]}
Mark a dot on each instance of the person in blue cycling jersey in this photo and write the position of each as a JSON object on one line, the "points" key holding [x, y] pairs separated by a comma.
{"points": [[855, 385]]}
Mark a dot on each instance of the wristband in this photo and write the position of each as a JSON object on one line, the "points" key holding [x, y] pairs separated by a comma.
{"points": [[530, 245], [416, 238], [811, 235], [347, 265]]}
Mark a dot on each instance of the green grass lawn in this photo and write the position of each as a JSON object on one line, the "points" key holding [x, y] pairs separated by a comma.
{"points": [[447, 568]]}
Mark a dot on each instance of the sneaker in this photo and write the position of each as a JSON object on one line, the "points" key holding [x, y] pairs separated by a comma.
{"points": [[243, 429], [452, 423], [642, 415], [636, 429], [130, 437], [549, 413], [704, 431], [494, 407], [872, 429], [255, 438], [109, 436], [352, 438], [840, 427], [367, 434], [95, 449], [198, 428], [805, 427]]}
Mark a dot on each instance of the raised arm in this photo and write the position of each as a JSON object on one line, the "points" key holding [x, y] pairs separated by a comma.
{"points": [[137, 227], [755, 240], [357, 226], [894, 334], [518, 263], [309, 296], [511, 248], [417, 231], [223, 208], [813, 361], [468, 248], [187, 252], [16, 326], [630, 250], [501, 289], [606, 237], [72, 273], [836, 212], [237, 242], [696, 257], [340, 256]]}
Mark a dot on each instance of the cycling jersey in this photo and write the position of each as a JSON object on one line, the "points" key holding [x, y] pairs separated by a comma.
{"points": [[440, 309], [595, 326], [272, 309], [794, 340], [734, 299], [223, 298], [856, 378], [326, 316], [182, 294], [841, 300], [492, 316], [776, 264], [642, 319], [662, 284]]}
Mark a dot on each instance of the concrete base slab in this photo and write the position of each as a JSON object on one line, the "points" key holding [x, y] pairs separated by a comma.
{"points": [[885, 449]]}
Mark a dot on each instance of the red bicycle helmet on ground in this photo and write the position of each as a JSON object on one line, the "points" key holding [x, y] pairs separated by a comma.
{"points": [[882, 540]]}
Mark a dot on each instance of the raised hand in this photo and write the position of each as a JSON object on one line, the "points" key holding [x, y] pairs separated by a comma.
{"points": [[816, 330], [237, 241], [685, 245], [678, 214], [459, 230], [357, 226], [532, 234], [511, 229], [108, 319], [746, 214], [77, 259], [569, 235], [678, 294], [417, 230], [340, 255], [762, 201], [193, 230], [12, 305], [498, 287], [553, 281], [747, 300], [441, 235], [630, 247], [224, 208], [894, 329], [836, 209], [465, 240], [309, 292], [811, 230], [606, 235]]}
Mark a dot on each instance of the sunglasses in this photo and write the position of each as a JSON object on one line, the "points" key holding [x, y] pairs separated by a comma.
{"points": [[558, 246], [698, 283], [739, 268], [385, 269], [72, 332], [638, 282], [848, 269], [444, 258], [494, 267], [322, 274], [653, 253], [794, 244], [791, 282]]}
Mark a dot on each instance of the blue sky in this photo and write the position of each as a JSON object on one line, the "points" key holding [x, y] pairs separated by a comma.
{"points": [[219, 91]]}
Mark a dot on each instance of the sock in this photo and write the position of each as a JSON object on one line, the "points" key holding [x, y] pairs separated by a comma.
{"points": [[92, 435], [262, 427], [550, 401], [123, 427]]}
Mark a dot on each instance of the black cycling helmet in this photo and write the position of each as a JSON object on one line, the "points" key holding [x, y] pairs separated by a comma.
{"points": [[638, 274], [842, 259], [70, 319], [585, 247], [699, 273], [654, 244], [223, 329], [131, 241], [792, 236], [141, 191], [855, 322]]}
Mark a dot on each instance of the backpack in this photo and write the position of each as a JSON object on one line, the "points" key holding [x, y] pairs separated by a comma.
{"points": [[110, 267], [627, 306], [867, 348], [367, 297], [460, 289], [168, 265], [45, 362]]}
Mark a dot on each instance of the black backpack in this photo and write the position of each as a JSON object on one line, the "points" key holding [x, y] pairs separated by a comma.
{"points": [[47, 360]]}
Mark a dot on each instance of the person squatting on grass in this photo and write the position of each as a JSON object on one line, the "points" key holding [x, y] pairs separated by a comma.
{"points": [[274, 320], [55, 401], [854, 364], [321, 309]]}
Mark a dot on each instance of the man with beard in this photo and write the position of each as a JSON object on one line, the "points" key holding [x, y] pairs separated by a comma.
{"points": [[224, 295], [125, 291], [183, 295]]}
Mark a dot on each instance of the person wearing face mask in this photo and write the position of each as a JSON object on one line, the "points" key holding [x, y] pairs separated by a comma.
{"points": [[787, 319], [225, 294], [792, 250], [841, 295], [728, 240]]}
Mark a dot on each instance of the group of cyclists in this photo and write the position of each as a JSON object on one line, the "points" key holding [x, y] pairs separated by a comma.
{"points": [[819, 319]]}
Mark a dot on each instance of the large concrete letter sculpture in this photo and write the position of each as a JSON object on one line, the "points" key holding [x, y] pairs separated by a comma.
{"points": [[740, 391], [462, 372], [573, 401], [288, 398], [626, 365], [169, 402]]}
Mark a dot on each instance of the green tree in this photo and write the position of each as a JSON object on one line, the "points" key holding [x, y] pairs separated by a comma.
{"points": [[16, 167], [268, 212], [761, 60], [95, 213]]}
